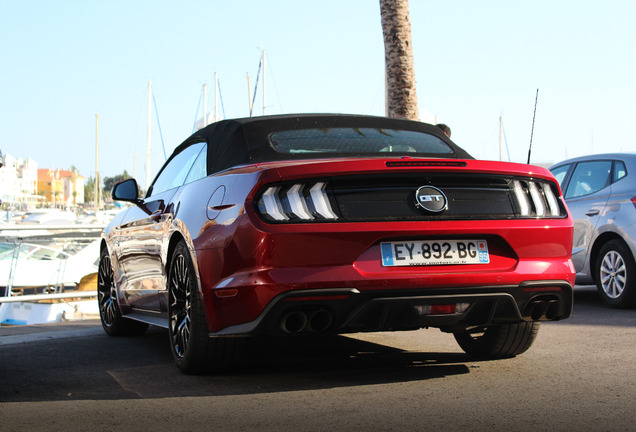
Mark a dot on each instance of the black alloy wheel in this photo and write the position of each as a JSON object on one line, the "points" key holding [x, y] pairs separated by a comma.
{"points": [[112, 320], [180, 293], [106, 293], [194, 351]]}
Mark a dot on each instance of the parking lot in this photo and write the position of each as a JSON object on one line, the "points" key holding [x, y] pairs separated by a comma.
{"points": [[577, 376]]}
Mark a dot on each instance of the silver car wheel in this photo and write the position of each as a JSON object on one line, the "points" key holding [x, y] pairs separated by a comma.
{"points": [[613, 274]]}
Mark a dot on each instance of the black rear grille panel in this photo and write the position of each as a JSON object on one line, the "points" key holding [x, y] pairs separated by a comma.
{"points": [[392, 198]]}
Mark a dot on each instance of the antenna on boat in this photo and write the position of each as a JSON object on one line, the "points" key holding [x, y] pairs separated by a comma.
{"points": [[532, 130]]}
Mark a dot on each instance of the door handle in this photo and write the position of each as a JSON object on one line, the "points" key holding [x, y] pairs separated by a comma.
{"points": [[591, 213]]}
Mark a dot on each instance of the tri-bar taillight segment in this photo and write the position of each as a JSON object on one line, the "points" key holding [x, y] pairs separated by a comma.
{"points": [[536, 199], [300, 202]]}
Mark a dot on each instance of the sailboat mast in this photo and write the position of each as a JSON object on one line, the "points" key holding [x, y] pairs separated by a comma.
{"points": [[148, 137], [96, 188], [500, 134], [264, 83], [216, 97], [205, 105], [249, 93]]}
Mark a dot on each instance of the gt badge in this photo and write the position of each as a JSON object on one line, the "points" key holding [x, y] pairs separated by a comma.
{"points": [[431, 199]]}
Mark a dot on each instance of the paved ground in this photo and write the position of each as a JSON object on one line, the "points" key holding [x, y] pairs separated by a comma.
{"points": [[578, 376]]}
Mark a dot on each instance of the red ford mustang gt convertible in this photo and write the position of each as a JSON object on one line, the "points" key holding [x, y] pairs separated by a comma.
{"points": [[331, 224]]}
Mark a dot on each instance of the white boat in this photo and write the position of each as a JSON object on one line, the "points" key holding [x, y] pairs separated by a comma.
{"points": [[48, 274], [30, 265], [49, 217], [38, 312]]}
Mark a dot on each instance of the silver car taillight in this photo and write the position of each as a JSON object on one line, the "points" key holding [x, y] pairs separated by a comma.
{"points": [[536, 199], [299, 202]]}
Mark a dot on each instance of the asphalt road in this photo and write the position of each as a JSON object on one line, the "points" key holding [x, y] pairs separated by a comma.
{"points": [[578, 376]]}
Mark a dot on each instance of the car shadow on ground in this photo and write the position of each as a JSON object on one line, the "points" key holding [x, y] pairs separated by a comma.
{"points": [[587, 295], [102, 367], [589, 309], [348, 360]]}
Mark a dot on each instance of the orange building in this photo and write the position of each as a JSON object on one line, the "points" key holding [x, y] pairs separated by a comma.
{"points": [[61, 188]]}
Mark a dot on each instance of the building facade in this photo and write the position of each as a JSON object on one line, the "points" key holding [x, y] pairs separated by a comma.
{"points": [[61, 188], [18, 183]]}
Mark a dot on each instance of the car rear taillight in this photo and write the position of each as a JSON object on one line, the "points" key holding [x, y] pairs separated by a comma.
{"points": [[634, 201], [536, 199], [299, 202]]}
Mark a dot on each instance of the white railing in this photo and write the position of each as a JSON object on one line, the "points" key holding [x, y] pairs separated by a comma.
{"points": [[58, 296], [36, 227]]}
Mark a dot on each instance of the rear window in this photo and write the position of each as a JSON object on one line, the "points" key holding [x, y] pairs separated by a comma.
{"points": [[357, 141]]}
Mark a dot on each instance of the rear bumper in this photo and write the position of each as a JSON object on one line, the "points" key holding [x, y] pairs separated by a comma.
{"points": [[251, 283], [348, 310]]}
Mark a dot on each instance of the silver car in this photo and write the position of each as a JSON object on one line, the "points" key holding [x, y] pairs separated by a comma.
{"points": [[600, 191]]}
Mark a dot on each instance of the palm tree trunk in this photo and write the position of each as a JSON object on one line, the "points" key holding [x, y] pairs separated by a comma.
{"points": [[398, 57]]}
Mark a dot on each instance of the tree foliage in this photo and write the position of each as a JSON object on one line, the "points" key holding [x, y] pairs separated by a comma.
{"points": [[105, 188], [109, 182], [89, 189]]}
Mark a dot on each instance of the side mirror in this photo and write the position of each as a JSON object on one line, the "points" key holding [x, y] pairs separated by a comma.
{"points": [[126, 190]]}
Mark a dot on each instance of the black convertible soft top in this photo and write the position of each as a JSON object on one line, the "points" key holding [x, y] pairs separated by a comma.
{"points": [[243, 141]]}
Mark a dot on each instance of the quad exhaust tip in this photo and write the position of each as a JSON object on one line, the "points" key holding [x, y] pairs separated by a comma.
{"points": [[542, 310], [552, 311], [316, 321], [319, 321], [293, 322]]}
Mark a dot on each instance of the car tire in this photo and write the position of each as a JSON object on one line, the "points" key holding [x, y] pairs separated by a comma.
{"points": [[615, 275], [113, 322], [500, 341], [192, 349]]}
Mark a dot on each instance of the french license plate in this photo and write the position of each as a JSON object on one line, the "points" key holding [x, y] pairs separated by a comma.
{"points": [[437, 252]]}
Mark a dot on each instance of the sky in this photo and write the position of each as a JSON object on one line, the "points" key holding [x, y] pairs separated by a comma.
{"points": [[64, 62]]}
